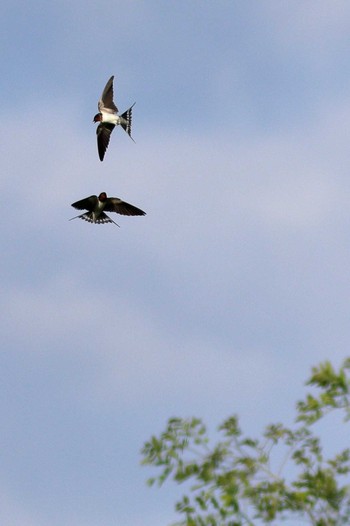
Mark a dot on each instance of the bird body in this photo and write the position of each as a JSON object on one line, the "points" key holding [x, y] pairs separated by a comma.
{"points": [[108, 118], [96, 207]]}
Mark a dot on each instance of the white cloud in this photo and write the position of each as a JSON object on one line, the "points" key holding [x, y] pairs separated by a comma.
{"points": [[133, 354]]}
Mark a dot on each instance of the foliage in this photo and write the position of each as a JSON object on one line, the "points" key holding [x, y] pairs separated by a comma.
{"points": [[233, 482]]}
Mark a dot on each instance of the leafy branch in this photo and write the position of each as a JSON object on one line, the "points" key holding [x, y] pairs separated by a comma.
{"points": [[232, 483]]}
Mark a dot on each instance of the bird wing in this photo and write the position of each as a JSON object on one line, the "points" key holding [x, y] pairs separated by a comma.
{"points": [[88, 203], [106, 101], [114, 204], [103, 132]]}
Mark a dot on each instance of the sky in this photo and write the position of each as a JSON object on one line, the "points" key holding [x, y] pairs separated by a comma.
{"points": [[217, 302]]}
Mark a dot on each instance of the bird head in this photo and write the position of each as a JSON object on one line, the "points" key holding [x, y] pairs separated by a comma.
{"points": [[98, 117]]}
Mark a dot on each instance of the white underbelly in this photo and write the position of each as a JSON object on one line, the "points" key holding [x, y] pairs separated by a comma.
{"points": [[111, 117]]}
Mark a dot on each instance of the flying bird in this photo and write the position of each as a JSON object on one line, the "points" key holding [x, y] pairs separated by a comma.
{"points": [[108, 118], [97, 206]]}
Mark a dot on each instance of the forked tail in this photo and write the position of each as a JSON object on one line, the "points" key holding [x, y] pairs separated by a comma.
{"points": [[126, 120], [90, 218]]}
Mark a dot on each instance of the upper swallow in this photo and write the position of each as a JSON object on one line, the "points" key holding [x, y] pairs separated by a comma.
{"points": [[108, 118], [97, 205]]}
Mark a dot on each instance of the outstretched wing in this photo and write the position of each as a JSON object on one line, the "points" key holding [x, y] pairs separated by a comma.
{"points": [[106, 102], [121, 207], [88, 203], [103, 132]]}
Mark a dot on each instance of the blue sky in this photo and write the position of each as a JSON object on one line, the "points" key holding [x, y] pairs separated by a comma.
{"points": [[217, 302]]}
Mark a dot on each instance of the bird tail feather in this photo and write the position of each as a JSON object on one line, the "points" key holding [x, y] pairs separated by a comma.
{"points": [[100, 220], [126, 120]]}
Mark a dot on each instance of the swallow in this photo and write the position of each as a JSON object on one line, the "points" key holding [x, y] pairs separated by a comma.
{"points": [[108, 118], [96, 207]]}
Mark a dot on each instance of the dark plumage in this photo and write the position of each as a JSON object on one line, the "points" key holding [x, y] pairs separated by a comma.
{"points": [[108, 118], [97, 206]]}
